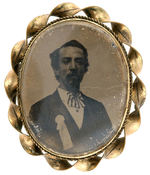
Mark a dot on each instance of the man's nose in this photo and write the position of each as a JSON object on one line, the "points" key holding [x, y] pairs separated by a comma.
{"points": [[72, 65]]}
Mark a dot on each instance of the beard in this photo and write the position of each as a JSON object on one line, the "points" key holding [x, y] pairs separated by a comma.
{"points": [[71, 82]]}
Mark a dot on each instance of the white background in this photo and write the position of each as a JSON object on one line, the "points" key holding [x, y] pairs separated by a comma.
{"points": [[14, 18]]}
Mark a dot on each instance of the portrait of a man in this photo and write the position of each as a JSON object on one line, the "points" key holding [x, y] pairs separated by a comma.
{"points": [[68, 118]]}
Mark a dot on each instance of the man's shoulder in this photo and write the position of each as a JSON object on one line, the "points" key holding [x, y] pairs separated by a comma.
{"points": [[92, 101], [43, 107], [44, 101]]}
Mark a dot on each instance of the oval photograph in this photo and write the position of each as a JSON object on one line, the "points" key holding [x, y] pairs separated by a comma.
{"points": [[74, 88]]}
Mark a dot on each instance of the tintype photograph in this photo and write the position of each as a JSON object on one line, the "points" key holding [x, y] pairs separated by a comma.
{"points": [[74, 88]]}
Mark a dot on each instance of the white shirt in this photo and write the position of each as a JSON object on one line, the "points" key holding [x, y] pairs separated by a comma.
{"points": [[77, 114]]}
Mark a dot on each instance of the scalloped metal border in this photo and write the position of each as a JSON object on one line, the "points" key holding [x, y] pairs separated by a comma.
{"points": [[130, 89]]}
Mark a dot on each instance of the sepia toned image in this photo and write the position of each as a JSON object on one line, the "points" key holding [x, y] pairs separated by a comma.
{"points": [[74, 87]]}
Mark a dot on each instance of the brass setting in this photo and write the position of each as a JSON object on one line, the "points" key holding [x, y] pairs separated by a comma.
{"points": [[87, 164], [115, 148], [57, 164], [135, 59], [97, 13], [17, 54], [122, 32], [133, 120], [139, 93], [29, 146], [71, 157], [36, 24], [14, 117], [65, 9], [11, 84]]}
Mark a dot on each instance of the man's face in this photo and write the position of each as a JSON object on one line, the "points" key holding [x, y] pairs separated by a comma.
{"points": [[71, 67]]}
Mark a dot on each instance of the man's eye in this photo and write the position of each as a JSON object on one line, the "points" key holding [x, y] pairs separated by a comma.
{"points": [[66, 60], [80, 60]]}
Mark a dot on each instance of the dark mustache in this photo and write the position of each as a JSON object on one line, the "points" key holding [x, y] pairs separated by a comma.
{"points": [[72, 75]]}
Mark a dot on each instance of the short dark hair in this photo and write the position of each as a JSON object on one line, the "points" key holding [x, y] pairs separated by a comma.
{"points": [[73, 43]]}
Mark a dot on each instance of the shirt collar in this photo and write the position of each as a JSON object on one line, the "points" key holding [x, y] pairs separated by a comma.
{"points": [[64, 95]]}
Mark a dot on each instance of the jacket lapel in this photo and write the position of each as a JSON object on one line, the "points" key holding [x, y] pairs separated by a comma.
{"points": [[70, 123]]}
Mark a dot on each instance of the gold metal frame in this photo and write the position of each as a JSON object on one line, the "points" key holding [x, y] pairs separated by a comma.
{"points": [[89, 20], [137, 88]]}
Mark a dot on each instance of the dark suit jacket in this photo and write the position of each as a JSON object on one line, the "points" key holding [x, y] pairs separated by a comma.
{"points": [[95, 128]]}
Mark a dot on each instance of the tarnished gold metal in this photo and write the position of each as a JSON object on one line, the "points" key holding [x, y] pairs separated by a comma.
{"points": [[65, 9], [58, 164], [29, 146], [115, 148], [14, 117], [17, 54], [122, 32], [97, 13], [136, 61], [87, 164], [11, 84], [138, 93], [36, 24], [133, 122], [72, 157]]}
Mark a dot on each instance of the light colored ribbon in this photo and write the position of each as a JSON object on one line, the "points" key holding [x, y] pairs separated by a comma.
{"points": [[63, 132]]}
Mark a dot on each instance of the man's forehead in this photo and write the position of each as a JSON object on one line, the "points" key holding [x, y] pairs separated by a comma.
{"points": [[70, 50]]}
